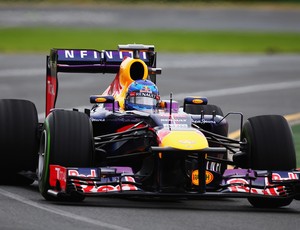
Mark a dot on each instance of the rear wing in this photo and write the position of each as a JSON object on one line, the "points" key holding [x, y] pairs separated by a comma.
{"points": [[93, 61]]}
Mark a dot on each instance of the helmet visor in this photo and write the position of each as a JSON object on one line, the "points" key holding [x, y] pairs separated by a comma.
{"points": [[148, 102]]}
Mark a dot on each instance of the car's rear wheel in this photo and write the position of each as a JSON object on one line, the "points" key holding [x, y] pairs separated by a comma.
{"points": [[18, 140], [67, 140], [269, 147]]}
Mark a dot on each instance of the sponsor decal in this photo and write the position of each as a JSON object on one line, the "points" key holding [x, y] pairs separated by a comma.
{"points": [[146, 89], [203, 121], [276, 177], [175, 120], [145, 94], [71, 54], [208, 177], [79, 55], [58, 173], [241, 185], [96, 56], [97, 119], [100, 99], [118, 56], [197, 101], [92, 187], [213, 166], [187, 142]]}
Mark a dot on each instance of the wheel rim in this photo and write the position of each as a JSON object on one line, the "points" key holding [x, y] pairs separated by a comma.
{"points": [[42, 152]]}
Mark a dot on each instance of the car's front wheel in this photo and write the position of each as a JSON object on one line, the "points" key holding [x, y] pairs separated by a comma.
{"points": [[269, 147], [66, 140]]}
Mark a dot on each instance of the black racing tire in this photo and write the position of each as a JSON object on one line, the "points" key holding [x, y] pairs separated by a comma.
{"points": [[67, 140], [269, 147], [261, 202], [207, 109], [270, 143], [18, 140]]}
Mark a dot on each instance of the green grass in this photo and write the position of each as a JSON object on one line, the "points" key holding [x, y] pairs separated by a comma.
{"points": [[32, 39], [296, 132]]}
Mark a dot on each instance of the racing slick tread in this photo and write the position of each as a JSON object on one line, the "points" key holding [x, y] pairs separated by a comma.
{"points": [[270, 147], [18, 139], [69, 144], [270, 143], [72, 139]]}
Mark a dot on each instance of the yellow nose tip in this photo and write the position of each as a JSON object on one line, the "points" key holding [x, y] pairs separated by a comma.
{"points": [[185, 140]]}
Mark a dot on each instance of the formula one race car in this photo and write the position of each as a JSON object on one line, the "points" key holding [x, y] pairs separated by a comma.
{"points": [[132, 143]]}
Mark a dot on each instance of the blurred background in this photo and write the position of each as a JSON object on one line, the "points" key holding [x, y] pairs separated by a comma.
{"points": [[246, 26]]}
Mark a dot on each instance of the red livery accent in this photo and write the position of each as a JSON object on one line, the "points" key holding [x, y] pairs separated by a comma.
{"points": [[240, 185], [118, 188], [277, 177], [61, 176], [114, 88], [58, 174], [51, 91]]}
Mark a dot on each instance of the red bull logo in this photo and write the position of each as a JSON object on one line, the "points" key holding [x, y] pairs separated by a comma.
{"points": [[146, 89]]}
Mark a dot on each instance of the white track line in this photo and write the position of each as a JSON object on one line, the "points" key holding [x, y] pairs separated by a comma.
{"points": [[22, 72], [60, 212], [243, 89]]}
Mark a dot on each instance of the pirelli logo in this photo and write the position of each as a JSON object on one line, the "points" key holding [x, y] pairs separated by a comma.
{"points": [[208, 177]]}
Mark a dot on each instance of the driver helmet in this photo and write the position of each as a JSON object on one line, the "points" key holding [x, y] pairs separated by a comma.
{"points": [[142, 95]]}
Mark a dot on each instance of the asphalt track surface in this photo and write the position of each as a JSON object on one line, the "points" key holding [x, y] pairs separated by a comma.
{"points": [[253, 85]]}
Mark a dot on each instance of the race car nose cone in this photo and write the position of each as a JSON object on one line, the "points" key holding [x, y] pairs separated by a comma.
{"points": [[185, 140]]}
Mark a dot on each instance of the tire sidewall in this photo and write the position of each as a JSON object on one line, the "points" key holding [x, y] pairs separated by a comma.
{"points": [[44, 161], [59, 145], [19, 139], [269, 143], [265, 137]]}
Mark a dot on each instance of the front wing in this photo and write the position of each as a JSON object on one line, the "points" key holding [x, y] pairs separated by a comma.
{"points": [[121, 181]]}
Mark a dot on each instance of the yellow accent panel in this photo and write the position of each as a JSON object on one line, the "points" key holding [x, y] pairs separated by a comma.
{"points": [[125, 78], [197, 101], [100, 100], [120, 98], [185, 140], [124, 71]]}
